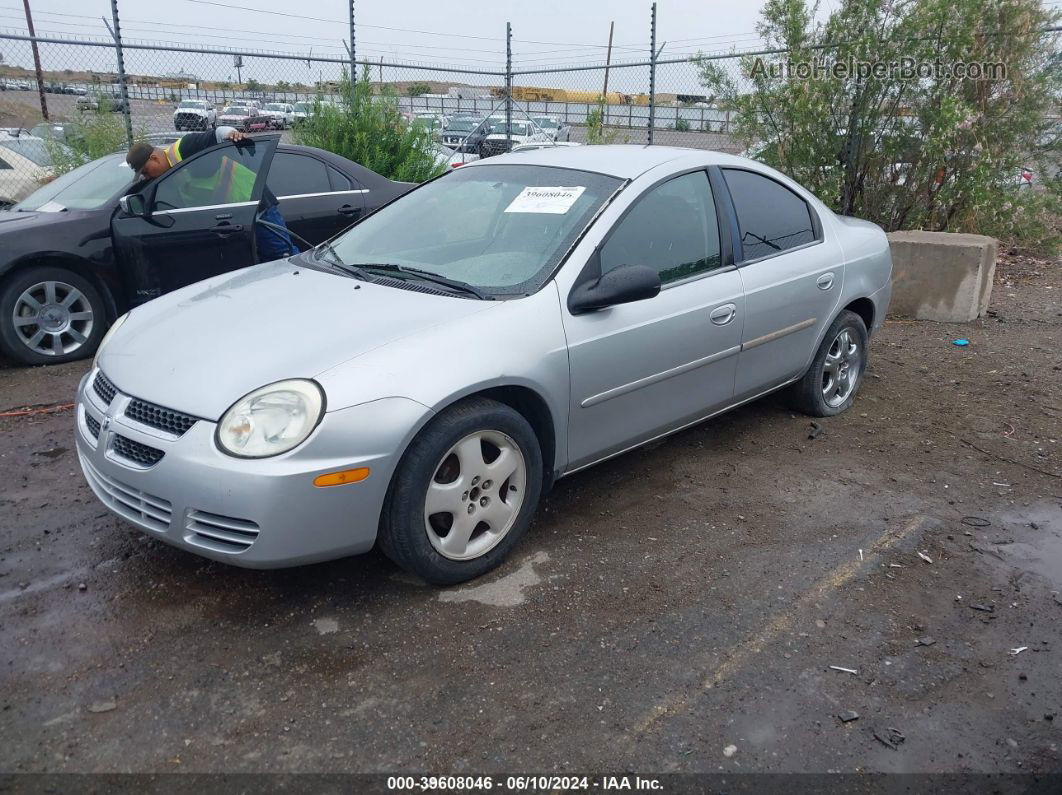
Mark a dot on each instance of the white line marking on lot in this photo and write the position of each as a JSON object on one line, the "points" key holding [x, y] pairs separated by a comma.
{"points": [[507, 591], [781, 623]]}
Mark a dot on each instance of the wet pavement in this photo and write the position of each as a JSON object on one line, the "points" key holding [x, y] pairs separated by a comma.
{"points": [[722, 601]]}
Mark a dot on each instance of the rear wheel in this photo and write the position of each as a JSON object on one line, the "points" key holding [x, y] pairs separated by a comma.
{"points": [[50, 315], [830, 384], [464, 493]]}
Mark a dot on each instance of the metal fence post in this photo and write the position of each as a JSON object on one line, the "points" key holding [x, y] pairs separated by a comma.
{"points": [[122, 87], [36, 60], [652, 72], [508, 86], [353, 63]]}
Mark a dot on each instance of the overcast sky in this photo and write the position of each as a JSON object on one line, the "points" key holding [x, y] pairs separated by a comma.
{"points": [[545, 32]]}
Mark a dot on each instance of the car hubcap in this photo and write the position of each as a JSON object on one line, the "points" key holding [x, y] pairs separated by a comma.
{"points": [[842, 368], [53, 318], [475, 495]]}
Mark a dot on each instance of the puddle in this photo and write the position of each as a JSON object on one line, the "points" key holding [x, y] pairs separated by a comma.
{"points": [[507, 591], [1041, 555], [326, 626]]}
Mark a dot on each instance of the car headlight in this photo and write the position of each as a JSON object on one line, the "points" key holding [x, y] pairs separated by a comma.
{"points": [[271, 420], [107, 338]]}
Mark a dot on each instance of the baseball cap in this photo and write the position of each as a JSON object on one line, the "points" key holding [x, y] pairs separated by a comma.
{"points": [[138, 155]]}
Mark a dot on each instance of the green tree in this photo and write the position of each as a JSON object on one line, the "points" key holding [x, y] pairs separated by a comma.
{"points": [[370, 131], [93, 134], [596, 132], [933, 150], [418, 89], [253, 85]]}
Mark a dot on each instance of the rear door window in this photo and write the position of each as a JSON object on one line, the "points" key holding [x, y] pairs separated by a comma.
{"points": [[771, 217], [293, 175]]}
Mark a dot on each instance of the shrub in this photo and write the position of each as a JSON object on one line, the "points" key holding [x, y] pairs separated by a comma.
{"points": [[371, 131], [94, 134], [682, 125], [935, 152]]}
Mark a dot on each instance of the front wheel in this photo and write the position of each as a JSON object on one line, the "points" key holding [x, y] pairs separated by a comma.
{"points": [[50, 315], [830, 384], [464, 493]]}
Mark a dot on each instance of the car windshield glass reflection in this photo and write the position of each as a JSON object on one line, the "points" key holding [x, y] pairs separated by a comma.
{"points": [[85, 188], [502, 228]]}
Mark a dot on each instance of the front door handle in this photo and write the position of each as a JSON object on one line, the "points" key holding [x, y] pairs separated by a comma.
{"points": [[722, 315], [224, 230], [825, 282]]}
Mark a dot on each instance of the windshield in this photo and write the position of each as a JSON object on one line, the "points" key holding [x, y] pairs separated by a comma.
{"points": [[462, 125], [30, 148], [502, 228], [545, 122], [304, 107], [85, 188], [191, 103], [234, 111], [275, 106], [518, 128]]}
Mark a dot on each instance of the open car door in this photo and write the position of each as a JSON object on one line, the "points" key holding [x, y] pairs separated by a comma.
{"points": [[195, 221]]}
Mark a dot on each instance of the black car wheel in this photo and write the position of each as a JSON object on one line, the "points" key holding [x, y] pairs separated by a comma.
{"points": [[50, 315]]}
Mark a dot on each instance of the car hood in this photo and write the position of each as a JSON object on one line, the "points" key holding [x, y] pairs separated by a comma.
{"points": [[201, 348]]}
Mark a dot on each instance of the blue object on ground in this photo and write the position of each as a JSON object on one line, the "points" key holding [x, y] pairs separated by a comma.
{"points": [[960, 343]]}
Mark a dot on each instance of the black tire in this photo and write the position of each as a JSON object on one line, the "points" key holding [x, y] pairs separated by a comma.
{"points": [[403, 533], [12, 342], [807, 394]]}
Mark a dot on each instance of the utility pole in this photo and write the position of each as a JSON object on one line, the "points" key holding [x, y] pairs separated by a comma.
{"points": [[36, 60], [608, 59], [122, 87], [652, 73], [509, 86], [353, 64]]}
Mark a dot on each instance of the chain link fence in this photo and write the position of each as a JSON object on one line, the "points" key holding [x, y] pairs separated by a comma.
{"points": [[173, 89]]}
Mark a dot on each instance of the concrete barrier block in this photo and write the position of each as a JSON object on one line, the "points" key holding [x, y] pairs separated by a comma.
{"points": [[941, 275]]}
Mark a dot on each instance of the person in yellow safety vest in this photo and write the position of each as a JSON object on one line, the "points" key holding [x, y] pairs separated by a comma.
{"points": [[232, 182]]}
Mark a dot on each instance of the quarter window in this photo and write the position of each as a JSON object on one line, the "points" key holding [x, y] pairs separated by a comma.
{"points": [[771, 217], [672, 228]]}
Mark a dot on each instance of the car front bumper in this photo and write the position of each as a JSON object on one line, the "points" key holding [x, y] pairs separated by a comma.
{"points": [[255, 513]]}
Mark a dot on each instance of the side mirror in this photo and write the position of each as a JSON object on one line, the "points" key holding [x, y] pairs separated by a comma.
{"points": [[134, 204], [620, 285]]}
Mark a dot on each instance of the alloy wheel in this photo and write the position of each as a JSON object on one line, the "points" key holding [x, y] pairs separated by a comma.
{"points": [[53, 318], [475, 495], [842, 368]]}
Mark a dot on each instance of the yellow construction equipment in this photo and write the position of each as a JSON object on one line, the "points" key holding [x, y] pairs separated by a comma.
{"points": [[534, 94]]}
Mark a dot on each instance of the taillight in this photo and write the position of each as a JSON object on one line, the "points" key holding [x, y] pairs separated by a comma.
{"points": [[456, 165]]}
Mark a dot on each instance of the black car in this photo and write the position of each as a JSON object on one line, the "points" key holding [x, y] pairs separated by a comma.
{"points": [[93, 243], [465, 134]]}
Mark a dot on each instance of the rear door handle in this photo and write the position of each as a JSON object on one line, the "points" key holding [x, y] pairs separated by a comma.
{"points": [[722, 315], [347, 209], [825, 282], [224, 229]]}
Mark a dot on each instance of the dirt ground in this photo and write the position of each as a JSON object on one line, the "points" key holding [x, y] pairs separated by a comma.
{"points": [[680, 608]]}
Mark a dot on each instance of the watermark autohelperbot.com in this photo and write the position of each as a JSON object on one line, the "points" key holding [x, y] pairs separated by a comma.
{"points": [[900, 69]]}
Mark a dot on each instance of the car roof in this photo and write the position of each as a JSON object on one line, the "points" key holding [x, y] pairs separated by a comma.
{"points": [[625, 161]]}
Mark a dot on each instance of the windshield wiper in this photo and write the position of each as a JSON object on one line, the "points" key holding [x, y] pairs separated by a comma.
{"points": [[337, 262], [428, 276]]}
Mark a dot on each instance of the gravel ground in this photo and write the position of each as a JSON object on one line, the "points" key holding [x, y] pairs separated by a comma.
{"points": [[677, 609]]}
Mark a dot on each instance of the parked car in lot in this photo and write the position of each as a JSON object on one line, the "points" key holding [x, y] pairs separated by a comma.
{"points": [[512, 322], [553, 127], [300, 112], [244, 118], [444, 156], [465, 134], [195, 114], [521, 132], [71, 260], [19, 176], [434, 123], [281, 114], [543, 145], [101, 102]]}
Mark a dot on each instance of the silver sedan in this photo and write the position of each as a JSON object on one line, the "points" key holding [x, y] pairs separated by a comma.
{"points": [[419, 382]]}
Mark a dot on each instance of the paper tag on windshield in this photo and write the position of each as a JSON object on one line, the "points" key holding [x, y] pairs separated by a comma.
{"points": [[545, 200]]}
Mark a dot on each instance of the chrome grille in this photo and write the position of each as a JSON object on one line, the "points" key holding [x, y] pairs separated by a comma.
{"points": [[159, 417], [220, 533], [93, 425], [132, 504], [104, 388], [135, 451]]}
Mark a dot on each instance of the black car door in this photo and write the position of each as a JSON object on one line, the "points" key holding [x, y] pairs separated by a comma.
{"points": [[316, 199], [198, 221]]}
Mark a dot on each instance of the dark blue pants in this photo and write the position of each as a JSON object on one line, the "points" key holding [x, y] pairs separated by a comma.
{"points": [[272, 243]]}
